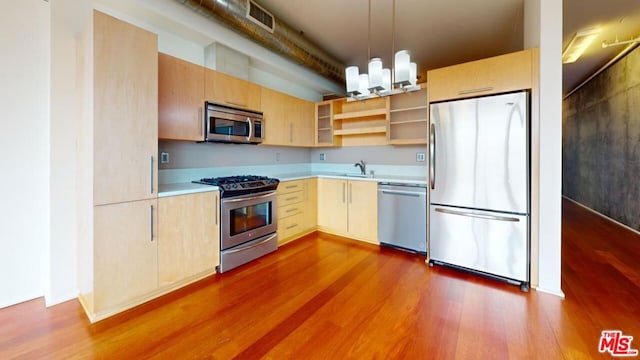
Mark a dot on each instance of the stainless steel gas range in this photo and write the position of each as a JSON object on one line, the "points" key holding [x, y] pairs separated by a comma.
{"points": [[247, 218]]}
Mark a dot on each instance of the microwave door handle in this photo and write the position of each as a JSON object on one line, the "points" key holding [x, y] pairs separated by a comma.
{"points": [[250, 129], [207, 124]]}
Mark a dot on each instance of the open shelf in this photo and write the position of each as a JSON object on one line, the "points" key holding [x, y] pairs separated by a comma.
{"points": [[409, 108], [361, 130], [425, 120], [360, 115]]}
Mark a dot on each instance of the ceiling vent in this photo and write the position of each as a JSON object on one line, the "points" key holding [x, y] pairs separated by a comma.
{"points": [[260, 16]]}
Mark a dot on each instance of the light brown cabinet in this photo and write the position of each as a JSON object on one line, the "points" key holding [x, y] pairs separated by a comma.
{"points": [[180, 99], [229, 90], [349, 208], [493, 75], [125, 111], [409, 118], [296, 209], [188, 237], [288, 120], [324, 124], [361, 123], [116, 165], [126, 258]]}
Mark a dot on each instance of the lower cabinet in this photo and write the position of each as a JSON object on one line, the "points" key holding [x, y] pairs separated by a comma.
{"points": [[188, 237], [125, 262], [144, 249], [297, 213], [349, 208]]}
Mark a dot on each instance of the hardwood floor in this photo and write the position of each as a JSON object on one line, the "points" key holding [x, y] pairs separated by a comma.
{"points": [[324, 297]]}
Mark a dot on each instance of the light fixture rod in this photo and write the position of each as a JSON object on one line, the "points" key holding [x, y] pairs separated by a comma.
{"points": [[624, 42], [369, 35]]}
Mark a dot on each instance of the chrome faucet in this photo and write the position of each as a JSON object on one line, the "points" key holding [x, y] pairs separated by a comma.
{"points": [[363, 167]]}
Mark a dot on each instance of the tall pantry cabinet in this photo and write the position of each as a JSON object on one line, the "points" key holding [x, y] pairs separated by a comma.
{"points": [[117, 167]]}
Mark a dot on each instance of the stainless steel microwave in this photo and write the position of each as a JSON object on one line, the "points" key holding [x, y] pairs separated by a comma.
{"points": [[233, 125]]}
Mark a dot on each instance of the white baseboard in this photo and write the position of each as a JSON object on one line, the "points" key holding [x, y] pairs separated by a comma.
{"points": [[558, 292]]}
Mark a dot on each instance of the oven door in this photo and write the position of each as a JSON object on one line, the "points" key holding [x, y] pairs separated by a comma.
{"points": [[247, 217]]}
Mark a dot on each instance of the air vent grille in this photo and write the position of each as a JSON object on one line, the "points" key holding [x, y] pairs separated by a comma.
{"points": [[260, 16]]}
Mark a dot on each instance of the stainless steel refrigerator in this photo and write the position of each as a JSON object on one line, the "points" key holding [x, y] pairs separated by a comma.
{"points": [[479, 171]]}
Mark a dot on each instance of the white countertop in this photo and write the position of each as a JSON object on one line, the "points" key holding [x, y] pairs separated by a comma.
{"points": [[183, 189], [190, 188]]}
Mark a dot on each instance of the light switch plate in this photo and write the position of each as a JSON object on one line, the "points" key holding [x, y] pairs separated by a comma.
{"points": [[323, 157], [164, 157]]}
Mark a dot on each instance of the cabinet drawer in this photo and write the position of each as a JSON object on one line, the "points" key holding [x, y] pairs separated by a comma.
{"points": [[289, 187], [291, 198], [290, 226], [286, 211]]}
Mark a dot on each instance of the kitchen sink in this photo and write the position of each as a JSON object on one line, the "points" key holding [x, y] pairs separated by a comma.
{"points": [[358, 175]]}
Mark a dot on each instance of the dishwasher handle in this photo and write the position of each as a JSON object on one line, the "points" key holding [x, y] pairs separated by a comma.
{"points": [[402, 193]]}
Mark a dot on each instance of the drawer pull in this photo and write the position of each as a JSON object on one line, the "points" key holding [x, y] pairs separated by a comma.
{"points": [[291, 198], [471, 91], [291, 187], [291, 226], [291, 210]]}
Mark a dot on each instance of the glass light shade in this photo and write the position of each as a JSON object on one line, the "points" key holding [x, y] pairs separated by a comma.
{"points": [[375, 74], [413, 73], [386, 79], [402, 71], [364, 83], [353, 82]]}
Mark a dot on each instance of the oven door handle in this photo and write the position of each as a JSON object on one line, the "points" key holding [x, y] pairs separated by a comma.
{"points": [[252, 245], [226, 201]]}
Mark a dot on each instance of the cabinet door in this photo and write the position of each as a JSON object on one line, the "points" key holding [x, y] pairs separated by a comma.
{"points": [[363, 210], [226, 89], [301, 123], [332, 204], [125, 252], [125, 111], [494, 75], [311, 204], [275, 117], [180, 99], [188, 236]]}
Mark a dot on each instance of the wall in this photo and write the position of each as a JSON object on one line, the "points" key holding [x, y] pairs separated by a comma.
{"points": [[381, 155], [601, 142], [543, 29], [24, 145]]}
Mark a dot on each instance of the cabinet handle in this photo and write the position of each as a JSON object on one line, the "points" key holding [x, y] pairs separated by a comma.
{"points": [[290, 133], [151, 222], [471, 91], [200, 118], [151, 172], [350, 193], [291, 198], [291, 187], [291, 210], [216, 209], [291, 227], [343, 191]]}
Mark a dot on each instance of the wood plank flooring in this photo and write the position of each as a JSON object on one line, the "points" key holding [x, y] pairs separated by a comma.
{"points": [[324, 297]]}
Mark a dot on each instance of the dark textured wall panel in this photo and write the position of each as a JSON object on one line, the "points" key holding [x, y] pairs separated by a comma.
{"points": [[601, 142]]}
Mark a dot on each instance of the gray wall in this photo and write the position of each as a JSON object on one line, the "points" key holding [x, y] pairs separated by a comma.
{"points": [[185, 155], [601, 142]]}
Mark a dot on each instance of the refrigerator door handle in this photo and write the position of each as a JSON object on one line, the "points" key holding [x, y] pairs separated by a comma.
{"points": [[477, 215], [432, 156]]}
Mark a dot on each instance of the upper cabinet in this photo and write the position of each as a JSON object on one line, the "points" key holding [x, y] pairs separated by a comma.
{"points": [[493, 75], [225, 89], [180, 99], [361, 123], [125, 111], [288, 120], [409, 118]]}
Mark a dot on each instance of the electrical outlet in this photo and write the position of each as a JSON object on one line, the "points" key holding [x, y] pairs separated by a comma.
{"points": [[164, 157], [277, 156], [323, 157], [421, 157]]}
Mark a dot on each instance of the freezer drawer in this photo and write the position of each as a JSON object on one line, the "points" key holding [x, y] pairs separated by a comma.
{"points": [[490, 242]]}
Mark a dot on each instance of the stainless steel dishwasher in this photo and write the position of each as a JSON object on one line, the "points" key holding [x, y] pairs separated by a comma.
{"points": [[402, 216]]}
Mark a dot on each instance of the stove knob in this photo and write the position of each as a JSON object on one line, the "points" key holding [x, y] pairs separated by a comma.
{"points": [[234, 186]]}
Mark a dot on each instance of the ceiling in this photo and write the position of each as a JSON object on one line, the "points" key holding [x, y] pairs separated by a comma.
{"points": [[446, 32]]}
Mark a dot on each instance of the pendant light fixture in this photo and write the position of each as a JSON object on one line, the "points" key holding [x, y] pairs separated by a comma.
{"points": [[379, 82]]}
